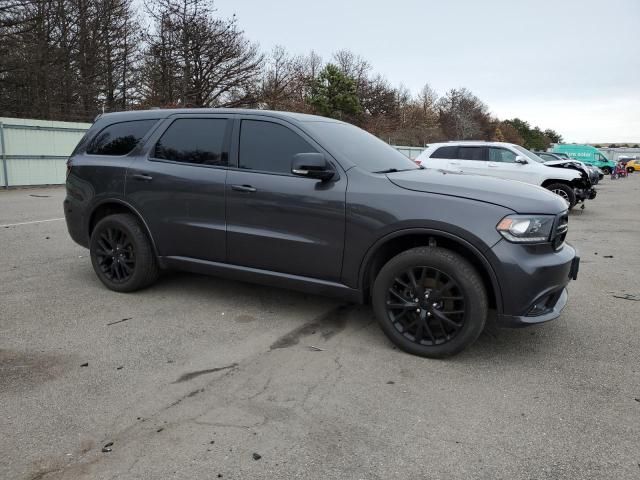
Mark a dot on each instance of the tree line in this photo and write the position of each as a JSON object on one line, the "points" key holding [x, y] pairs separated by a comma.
{"points": [[73, 59]]}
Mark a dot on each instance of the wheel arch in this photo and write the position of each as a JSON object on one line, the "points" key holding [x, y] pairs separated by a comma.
{"points": [[392, 244], [551, 181], [113, 206]]}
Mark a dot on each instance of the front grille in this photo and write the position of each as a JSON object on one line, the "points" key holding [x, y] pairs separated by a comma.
{"points": [[560, 230]]}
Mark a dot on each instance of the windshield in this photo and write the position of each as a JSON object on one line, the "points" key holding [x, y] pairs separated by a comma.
{"points": [[365, 150], [529, 155]]}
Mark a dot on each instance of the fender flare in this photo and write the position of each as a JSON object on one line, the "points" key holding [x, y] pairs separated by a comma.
{"points": [[373, 249], [126, 204]]}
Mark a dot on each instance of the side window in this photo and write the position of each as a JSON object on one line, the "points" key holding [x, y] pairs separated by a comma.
{"points": [[194, 140], [470, 153], [120, 138], [501, 155], [445, 152], [269, 147]]}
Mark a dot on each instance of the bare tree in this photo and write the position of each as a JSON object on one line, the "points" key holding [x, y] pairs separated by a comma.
{"points": [[197, 59]]}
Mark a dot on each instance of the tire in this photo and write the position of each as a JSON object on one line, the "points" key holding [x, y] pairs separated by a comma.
{"points": [[564, 191], [425, 333], [122, 255], [630, 170], [606, 170]]}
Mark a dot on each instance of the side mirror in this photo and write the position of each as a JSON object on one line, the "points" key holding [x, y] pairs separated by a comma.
{"points": [[312, 165], [521, 160]]}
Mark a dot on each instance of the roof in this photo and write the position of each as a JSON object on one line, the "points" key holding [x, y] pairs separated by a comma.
{"points": [[163, 113], [472, 142]]}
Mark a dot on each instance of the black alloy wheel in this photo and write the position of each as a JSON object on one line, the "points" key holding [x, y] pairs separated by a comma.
{"points": [[115, 254], [430, 301], [122, 253], [426, 306]]}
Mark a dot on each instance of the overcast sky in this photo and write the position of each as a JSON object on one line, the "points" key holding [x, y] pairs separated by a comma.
{"points": [[570, 65]]}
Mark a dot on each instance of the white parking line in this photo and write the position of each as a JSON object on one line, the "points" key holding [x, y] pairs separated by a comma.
{"points": [[29, 223]]}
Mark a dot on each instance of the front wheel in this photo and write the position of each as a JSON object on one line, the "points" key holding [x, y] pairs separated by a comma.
{"points": [[121, 254], [630, 169], [430, 302], [564, 191], [606, 170]]}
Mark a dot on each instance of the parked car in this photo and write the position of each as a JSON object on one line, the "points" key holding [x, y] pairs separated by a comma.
{"points": [[318, 205], [509, 161], [633, 166], [553, 160], [586, 154]]}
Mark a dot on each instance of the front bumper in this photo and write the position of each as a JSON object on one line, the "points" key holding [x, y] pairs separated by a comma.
{"points": [[533, 282]]}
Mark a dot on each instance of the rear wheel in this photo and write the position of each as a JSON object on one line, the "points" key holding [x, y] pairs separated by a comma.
{"points": [[430, 302], [121, 254], [606, 170], [564, 191], [629, 169]]}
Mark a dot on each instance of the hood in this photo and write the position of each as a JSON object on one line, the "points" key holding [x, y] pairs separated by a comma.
{"points": [[518, 196]]}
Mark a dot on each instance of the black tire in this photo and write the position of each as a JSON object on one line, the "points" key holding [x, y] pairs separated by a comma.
{"points": [[629, 169], [564, 191], [606, 170], [122, 255], [442, 339]]}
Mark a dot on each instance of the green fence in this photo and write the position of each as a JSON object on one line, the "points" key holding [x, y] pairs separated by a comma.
{"points": [[34, 152]]}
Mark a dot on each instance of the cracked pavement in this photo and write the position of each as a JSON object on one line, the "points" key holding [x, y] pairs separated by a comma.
{"points": [[206, 372]]}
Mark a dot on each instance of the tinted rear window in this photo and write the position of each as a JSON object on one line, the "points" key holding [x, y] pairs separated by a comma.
{"points": [[470, 153], [445, 152], [194, 140], [120, 138]]}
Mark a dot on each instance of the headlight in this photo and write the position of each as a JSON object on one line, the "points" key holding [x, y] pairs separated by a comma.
{"points": [[526, 228]]}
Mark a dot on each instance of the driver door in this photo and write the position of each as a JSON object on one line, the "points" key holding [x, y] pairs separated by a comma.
{"points": [[278, 221]]}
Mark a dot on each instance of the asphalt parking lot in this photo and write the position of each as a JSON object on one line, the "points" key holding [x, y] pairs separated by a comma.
{"points": [[193, 376]]}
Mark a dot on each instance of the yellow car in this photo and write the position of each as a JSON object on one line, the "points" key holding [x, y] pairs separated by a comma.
{"points": [[633, 165]]}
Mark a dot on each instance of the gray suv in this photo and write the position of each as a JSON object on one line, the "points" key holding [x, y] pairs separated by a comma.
{"points": [[317, 205]]}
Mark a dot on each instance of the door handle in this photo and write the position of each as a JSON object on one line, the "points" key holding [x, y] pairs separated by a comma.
{"points": [[244, 188], [142, 177]]}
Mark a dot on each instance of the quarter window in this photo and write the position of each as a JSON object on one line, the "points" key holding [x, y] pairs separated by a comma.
{"points": [[470, 153], [269, 147], [445, 152], [501, 155], [120, 138], [197, 141]]}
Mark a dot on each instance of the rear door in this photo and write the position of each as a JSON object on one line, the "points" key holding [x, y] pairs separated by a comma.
{"points": [[178, 185], [471, 159], [278, 221]]}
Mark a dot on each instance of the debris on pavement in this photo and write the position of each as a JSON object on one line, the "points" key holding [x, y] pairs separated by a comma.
{"points": [[86, 364], [39, 196], [119, 321], [256, 456], [391, 382], [608, 256], [107, 447], [628, 296], [316, 349], [160, 429], [119, 368]]}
